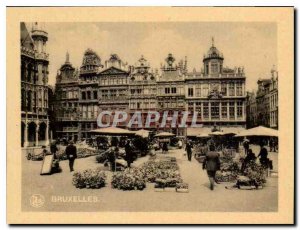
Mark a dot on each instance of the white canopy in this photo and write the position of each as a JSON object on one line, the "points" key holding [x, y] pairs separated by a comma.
{"points": [[258, 131], [113, 131], [216, 133], [203, 135], [143, 133], [165, 134]]}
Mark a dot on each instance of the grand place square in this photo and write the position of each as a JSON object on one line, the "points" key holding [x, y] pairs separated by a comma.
{"points": [[161, 131]]}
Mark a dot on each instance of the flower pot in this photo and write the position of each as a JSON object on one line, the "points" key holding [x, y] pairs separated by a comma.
{"points": [[182, 190]]}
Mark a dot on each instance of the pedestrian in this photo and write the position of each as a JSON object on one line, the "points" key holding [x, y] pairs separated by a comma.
{"points": [[53, 149], [212, 165], [165, 147], [71, 152], [128, 154], [180, 144], [250, 157], [246, 146], [112, 158], [188, 149], [263, 155]]}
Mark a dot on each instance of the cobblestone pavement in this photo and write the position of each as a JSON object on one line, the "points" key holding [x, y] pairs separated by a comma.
{"points": [[199, 198]]}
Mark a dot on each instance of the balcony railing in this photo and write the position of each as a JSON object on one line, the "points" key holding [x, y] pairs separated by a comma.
{"points": [[42, 56]]}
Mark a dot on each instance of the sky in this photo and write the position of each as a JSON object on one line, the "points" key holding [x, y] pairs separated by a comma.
{"points": [[252, 45]]}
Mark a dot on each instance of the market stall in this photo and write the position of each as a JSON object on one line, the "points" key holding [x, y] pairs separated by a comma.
{"points": [[114, 153]]}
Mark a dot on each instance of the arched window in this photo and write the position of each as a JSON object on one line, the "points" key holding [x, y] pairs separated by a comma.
{"points": [[29, 73]]}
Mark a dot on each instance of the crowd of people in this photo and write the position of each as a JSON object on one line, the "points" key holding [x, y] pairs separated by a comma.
{"points": [[211, 161]]}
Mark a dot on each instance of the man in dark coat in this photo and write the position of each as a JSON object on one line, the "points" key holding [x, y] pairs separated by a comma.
{"points": [[188, 149], [129, 154], [212, 164], [246, 146], [71, 152]]}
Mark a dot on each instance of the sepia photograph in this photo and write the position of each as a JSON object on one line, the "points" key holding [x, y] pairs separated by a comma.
{"points": [[153, 116]]}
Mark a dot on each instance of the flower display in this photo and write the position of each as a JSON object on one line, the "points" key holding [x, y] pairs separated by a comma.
{"points": [[256, 173], [129, 179], [89, 179], [164, 172]]}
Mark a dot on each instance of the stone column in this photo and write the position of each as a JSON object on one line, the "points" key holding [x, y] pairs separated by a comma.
{"points": [[26, 135], [209, 111], [47, 133], [37, 135]]}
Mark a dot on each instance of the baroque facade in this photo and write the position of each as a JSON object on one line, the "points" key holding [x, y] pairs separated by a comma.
{"points": [[34, 86], [216, 93], [113, 88], [262, 106], [171, 92], [142, 91]]}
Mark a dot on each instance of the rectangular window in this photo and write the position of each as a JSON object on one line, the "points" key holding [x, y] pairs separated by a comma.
{"points": [[198, 91], [167, 90], [105, 94], [83, 95], [231, 89], [89, 111], [239, 109], [198, 109], [224, 109], [173, 90], [180, 103], [205, 90], [190, 92], [215, 110], [231, 110], [88, 95], [95, 95], [190, 106], [224, 89], [205, 110], [84, 111], [138, 105], [95, 111], [239, 89], [113, 93]]}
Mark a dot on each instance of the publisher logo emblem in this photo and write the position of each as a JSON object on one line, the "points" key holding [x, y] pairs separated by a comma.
{"points": [[37, 200]]}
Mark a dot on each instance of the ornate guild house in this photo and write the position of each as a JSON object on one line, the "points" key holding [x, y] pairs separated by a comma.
{"points": [[66, 101], [34, 86]]}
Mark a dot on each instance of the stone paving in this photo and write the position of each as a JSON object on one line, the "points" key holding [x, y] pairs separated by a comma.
{"points": [[199, 198]]}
